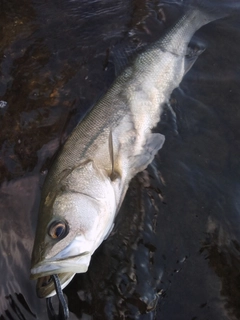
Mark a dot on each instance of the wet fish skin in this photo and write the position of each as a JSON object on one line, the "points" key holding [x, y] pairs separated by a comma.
{"points": [[81, 190]]}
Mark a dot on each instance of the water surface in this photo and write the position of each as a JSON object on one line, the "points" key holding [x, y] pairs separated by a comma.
{"points": [[174, 252]]}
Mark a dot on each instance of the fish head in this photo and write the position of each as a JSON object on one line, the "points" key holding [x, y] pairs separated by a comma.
{"points": [[70, 228]]}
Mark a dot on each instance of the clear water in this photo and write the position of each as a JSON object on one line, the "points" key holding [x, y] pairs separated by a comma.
{"points": [[175, 250]]}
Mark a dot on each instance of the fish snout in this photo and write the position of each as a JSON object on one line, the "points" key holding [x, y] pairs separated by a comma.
{"points": [[65, 269]]}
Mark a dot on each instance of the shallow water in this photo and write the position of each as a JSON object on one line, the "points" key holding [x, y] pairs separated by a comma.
{"points": [[175, 250]]}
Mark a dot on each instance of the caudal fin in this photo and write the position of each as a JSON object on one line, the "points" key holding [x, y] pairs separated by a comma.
{"points": [[211, 9]]}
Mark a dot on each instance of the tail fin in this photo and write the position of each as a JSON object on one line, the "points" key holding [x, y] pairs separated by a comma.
{"points": [[195, 16], [212, 9]]}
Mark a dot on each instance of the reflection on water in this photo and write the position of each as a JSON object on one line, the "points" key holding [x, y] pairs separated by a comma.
{"points": [[174, 252]]}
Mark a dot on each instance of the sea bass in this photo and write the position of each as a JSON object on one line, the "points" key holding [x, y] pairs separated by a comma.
{"points": [[87, 183]]}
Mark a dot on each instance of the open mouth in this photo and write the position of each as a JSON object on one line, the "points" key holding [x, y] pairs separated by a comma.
{"points": [[45, 286], [44, 281], [64, 268]]}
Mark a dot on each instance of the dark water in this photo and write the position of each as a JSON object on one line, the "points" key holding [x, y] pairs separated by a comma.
{"points": [[175, 251]]}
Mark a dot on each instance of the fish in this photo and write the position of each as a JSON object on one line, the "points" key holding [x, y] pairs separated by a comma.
{"points": [[89, 178]]}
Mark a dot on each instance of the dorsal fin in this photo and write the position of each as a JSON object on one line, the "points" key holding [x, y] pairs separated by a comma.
{"points": [[122, 57]]}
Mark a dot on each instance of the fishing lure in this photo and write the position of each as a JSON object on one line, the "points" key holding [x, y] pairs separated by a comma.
{"points": [[63, 313]]}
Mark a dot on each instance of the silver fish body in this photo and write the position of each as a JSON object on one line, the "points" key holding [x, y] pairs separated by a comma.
{"points": [[87, 183]]}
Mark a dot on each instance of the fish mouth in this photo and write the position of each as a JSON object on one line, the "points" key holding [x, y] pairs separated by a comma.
{"points": [[45, 287], [65, 269]]}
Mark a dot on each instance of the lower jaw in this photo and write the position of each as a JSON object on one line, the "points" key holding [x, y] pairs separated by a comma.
{"points": [[45, 286]]}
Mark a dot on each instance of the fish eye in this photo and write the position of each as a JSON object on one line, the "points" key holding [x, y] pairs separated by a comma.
{"points": [[58, 229]]}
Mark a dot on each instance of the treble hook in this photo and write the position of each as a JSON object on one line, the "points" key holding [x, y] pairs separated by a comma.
{"points": [[63, 313]]}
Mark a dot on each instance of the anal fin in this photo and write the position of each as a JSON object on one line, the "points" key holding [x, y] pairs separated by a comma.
{"points": [[193, 52]]}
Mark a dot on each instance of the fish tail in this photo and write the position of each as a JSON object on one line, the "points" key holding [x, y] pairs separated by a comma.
{"points": [[208, 10], [195, 15]]}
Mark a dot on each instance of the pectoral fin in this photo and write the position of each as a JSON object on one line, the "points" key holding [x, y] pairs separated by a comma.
{"points": [[114, 174]]}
